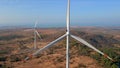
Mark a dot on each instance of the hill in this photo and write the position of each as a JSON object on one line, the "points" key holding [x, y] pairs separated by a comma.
{"points": [[16, 44]]}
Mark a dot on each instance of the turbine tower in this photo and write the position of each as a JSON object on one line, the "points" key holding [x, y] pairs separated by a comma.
{"points": [[67, 35]]}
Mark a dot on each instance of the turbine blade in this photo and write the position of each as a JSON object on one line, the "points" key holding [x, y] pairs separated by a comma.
{"points": [[90, 46], [47, 46], [38, 34]]}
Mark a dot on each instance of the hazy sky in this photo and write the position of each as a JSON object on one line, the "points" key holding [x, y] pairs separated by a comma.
{"points": [[52, 13]]}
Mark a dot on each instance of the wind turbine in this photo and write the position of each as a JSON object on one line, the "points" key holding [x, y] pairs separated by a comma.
{"points": [[68, 35], [35, 35]]}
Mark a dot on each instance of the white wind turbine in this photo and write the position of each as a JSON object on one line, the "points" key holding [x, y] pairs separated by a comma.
{"points": [[35, 35], [68, 35]]}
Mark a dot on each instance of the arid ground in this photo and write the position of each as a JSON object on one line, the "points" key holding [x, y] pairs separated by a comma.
{"points": [[16, 44]]}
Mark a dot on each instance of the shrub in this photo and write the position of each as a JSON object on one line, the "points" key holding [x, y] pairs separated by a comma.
{"points": [[14, 58], [3, 51], [10, 37], [105, 62], [2, 58]]}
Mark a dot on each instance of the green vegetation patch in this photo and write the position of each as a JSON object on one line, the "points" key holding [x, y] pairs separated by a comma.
{"points": [[105, 62], [2, 58], [10, 37], [3, 51]]}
